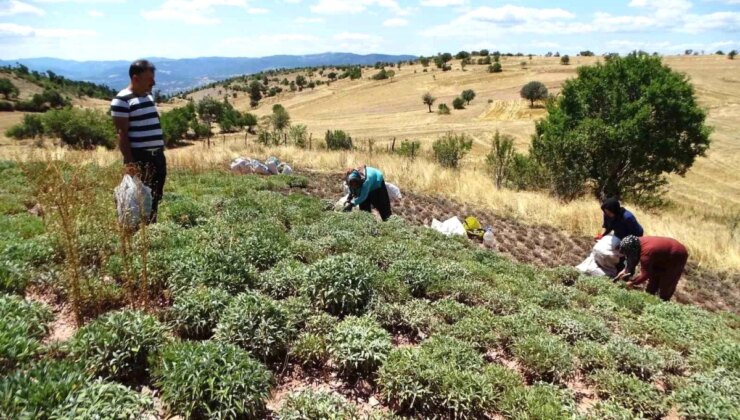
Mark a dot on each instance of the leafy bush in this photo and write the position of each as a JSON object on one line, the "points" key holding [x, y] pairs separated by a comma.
{"points": [[442, 377], [631, 358], [258, 324], [359, 345], [629, 392], [7, 107], [592, 356], [211, 379], [316, 405], [458, 103], [415, 317], [31, 127], [495, 68], [117, 344], [478, 330], [443, 109], [709, 396], [534, 91], [22, 325], [468, 95], [451, 148], [450, 310], [196, 312], [310, 350], [338, 140], [719, 354], [539, 402], [35, 392], [184, 211], [80, 128], [340, 284], [104, 400], [417, 273], [577, 326], [283, 280], [544, 357]]}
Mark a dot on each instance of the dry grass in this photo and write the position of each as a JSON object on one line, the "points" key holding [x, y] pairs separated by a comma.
{"points": [[705, 213]]}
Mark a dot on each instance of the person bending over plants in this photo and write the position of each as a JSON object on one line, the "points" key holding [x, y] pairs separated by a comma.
{"points": [[367, 190], [619, 220], [662, 261]]}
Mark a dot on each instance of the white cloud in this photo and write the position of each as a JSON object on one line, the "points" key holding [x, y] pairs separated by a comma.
{"points": [[626, 46], [442, 3], [357, 42], [268, 44], [13, 29], [710, 22], [303, 19], [15, 7], [95, 13], [257, 11], [195, 12], [344, 7], [395, 22], [81, 1]]}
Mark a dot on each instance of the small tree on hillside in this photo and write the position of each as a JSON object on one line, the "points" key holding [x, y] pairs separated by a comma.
{"points": [[300, 81], [255, 93], [249, 121], [424, 61], [280, 119], [500, 157], [534, 91], [565, 60], [731, 55], [428, 100], [495, 68], [209, 110], [332, 76], [390, 74], [468, 95], [8, 89], [451, 148], [613, 126], [458, 103]]}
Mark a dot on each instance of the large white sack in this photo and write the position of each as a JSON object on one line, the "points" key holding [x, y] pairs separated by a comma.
{"points": [[240, 165], [285, 169], [449, 227], [606, 252], [272, 164], [339, 205], [394, 193], [133, 201], [258, 167]]}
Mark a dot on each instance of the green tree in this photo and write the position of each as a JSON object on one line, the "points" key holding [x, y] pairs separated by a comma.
{"points": [[424, 61], [175, 125], [300, 80], [533, 91], [495, 68], [8, 89], [210, 110], [332, 76], [428, 100], [451, 148], [249, 121], [443, 109], [731, 55], [500, 157], [622, 125], [565, 60], [468, 95], [458, 103], [338, 140], [255, 93], [298, 135], [280, 119]]}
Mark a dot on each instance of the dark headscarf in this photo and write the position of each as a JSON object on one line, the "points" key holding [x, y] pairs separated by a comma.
{"points": [[612, 204], [630, 247]]}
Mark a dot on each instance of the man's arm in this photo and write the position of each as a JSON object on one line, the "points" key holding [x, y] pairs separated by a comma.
{"points": [[121, 124]]}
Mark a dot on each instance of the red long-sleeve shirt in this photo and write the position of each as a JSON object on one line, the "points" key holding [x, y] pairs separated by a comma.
{"points": [[660, 257]]}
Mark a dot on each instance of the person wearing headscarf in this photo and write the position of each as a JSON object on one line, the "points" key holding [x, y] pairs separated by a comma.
{"points": [[619, 220], [661, 260], [367, 190]]}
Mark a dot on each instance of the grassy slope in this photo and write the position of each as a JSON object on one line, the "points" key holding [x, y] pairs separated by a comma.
{"points": [[517, 320]]}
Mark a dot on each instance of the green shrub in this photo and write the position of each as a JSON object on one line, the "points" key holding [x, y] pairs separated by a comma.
{"points": [[577, 326], [458, 103], [210, 265], [340, 284], [414, 317], [593, 285], [117, 344], [450, 310], [310, 350], [633, 301], [258, 324], [711, 395], [22, 325], [451, 148], [80, 128], [556, 297], [511, 328], [630, 358], [478, 330], [104, 400], [35, 392], [283, 280], [184, 211], [299, 311], [630, 392], [610, 411], [211, 379], [418, 274], [6, 106], [31, 127], [495, 68], [316, 405], [442, 377], [719, 354], [539, 402], [196, 312], [681, 327], [566, 276], [338, 140], [544, 357], [592, 356], [443, 109], [359, 345]]}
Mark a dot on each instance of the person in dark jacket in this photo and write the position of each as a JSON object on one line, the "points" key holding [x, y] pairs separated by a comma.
{"points": [[619, 220], [661, 260], [367, 190]]}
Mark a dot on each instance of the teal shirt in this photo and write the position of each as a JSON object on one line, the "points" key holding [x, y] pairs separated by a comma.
{"points": [[373, 181]]}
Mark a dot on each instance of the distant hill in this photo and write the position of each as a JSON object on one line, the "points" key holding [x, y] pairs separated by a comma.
{"points": [[180, 74]]}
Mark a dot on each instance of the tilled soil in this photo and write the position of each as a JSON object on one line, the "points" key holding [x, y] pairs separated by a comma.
{"points": [[540, 245]]}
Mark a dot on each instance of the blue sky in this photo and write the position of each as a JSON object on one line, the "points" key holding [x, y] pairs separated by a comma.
{"points": [[127, 29]]}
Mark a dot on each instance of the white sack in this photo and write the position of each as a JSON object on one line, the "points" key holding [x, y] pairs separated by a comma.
{"points": [[133, 201], [603, 258], [451, 226], [272, 164], [285, 169], [394, 193], [240, 165]]}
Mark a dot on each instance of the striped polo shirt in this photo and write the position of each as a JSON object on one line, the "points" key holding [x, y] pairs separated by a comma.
{"points": [[144, 129]]}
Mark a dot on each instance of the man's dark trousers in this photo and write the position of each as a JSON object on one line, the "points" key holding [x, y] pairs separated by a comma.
{"points": [[152, 171]]}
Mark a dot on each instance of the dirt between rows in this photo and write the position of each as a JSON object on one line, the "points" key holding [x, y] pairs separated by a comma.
{"points": [[539, 245]]}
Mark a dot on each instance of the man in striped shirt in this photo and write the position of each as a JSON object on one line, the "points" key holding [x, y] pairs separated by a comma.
{"points": [[139, 131]]}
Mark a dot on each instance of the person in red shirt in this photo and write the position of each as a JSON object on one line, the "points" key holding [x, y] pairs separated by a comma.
{"points": [[662, 261]]}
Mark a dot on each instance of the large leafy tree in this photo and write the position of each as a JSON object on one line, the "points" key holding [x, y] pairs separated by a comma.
{"points": [[621, 125]]}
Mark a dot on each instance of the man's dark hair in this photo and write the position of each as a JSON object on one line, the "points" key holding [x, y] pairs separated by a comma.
{"points": [[140, 66]]}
